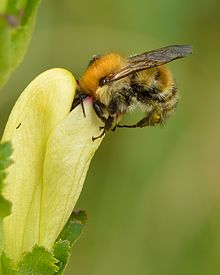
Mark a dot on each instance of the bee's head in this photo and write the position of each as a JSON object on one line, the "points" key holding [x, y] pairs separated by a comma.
{"points": [[97, 71]]}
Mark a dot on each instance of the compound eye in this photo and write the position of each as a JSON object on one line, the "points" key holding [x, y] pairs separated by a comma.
{"points": [[102, 82], [106, 80]]}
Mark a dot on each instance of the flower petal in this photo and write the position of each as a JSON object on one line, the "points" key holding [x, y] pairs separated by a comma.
{"points": [[69, 151], [39, 109]]}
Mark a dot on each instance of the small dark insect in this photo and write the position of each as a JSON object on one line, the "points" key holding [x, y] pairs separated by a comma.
{"points": [[18, 125], [117, 84]]}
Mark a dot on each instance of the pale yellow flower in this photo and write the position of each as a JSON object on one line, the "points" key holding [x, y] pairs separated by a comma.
{"points": [[53, 148]]}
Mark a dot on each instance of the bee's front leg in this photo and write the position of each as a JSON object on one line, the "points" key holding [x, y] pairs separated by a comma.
{"points": [[99, 109]]}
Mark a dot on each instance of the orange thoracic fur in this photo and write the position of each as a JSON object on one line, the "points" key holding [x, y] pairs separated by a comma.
{"points": [[102, 67]]}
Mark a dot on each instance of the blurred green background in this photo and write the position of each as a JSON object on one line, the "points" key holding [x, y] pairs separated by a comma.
{"points": [[153, 194]]}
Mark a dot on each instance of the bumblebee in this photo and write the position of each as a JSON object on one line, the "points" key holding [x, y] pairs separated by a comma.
{"points": [[117, 84]]}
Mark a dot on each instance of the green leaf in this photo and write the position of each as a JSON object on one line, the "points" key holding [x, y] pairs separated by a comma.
{"points": [[5, 161], [16, 26], [14, 6], [69, 235], [5, 205], [41, 261], [5, 50], [30, 8], [7, 267], [5, 150], [22, 35], [73, 228], [62, 253], [5, 210], [3, 6], [38, 261]]}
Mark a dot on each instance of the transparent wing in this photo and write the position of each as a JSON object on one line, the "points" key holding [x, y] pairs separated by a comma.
{"points": [[151, 59]]}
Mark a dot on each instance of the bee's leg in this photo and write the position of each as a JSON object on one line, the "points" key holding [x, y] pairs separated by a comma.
{"points": [[151, 119], [98, 107], [142, 123], [119, 104], [108, 123], [106, 127], [79, 100], [102, 134], [114, 128]]}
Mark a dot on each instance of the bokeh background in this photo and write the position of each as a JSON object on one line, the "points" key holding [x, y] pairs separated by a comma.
{"points": [[153, 194]]}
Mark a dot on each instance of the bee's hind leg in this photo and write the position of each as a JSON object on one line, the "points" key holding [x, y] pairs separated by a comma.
{"points": [[128, 126], [142, 123], [151, 119]]}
